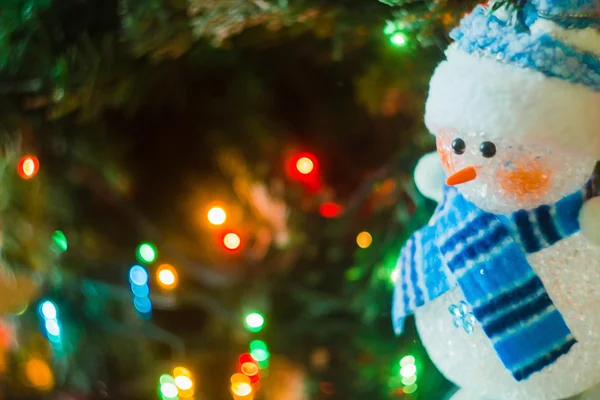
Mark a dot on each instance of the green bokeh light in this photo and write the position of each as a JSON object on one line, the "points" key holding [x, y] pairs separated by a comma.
{"points": [[407, 360], [398, 39], [260, 355], [255, 321], [60, 242], [390, 28], [146, 253], [258, 345]]}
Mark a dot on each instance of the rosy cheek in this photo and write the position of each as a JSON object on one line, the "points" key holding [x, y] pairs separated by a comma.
{"points": [[444, 150], [526, 180]]}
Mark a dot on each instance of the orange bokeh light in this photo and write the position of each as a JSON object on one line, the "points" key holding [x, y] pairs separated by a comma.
{"points": [[28, 167], [232, 241]]}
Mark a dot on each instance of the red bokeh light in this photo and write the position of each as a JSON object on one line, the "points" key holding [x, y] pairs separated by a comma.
{"points": [[28, 167], [331, 210]]}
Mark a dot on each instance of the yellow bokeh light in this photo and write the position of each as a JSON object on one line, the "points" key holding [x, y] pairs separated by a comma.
{"points": [[305, 165], [232, 241], [217, 216], [39, 374], [181, 371], [239, 378], [183, 382], [249, 369], [241, 388], [364, 240], [29, 167], [166, 275]]}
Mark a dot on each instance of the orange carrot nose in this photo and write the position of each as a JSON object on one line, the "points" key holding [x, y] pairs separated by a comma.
{"points": [[464, 175]]}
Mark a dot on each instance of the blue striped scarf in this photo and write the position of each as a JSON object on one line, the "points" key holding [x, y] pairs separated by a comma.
{"points": [[486, 255]]}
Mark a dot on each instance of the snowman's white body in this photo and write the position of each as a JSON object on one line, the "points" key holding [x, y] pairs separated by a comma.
{"points": [[570, 271], [555, 125]]}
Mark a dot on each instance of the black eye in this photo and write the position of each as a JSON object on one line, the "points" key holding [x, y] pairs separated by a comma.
{"points": [[488, 149], [458, 146]]}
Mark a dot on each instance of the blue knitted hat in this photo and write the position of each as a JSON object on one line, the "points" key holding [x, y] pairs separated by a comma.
{"points": [[528, 70]]}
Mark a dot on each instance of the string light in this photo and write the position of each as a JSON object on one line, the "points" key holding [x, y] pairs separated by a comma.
{"points": [[39, 374], [364, 240], [239, 378], [48, 309], [259, 355], [28, 167], [166, 275], [138, 275], [305, 165], [146, 253], [52, 327], [249, 369], [255, 322], [409, 380], [410, 389], [330, 210], [138, 278], [398, 39], [232, 241], [167, 388], [394, 276], [407, 360], [184, 382], [241, 389], [60, 241], [216, 216], [408, 370]]}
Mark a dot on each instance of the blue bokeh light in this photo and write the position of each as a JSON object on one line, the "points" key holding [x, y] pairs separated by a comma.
{"points": [[48, 310], [140, 291], [52, 327], [142, 304], [138, 275]]}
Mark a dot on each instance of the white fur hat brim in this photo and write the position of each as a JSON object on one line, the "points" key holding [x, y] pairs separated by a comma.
{"points": [[478, 94]]}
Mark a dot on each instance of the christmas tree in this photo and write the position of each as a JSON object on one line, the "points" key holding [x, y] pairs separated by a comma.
{"points": [[206, 199]]}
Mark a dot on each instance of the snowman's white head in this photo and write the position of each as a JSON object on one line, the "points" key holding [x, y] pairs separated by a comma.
{"points": [[516, 112], [503, 175]]}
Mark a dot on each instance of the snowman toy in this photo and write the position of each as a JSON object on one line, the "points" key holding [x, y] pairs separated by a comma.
{"points": [[504, 281]]}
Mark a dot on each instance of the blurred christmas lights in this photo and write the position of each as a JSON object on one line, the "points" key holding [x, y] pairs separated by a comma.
{"points": [[254, 322], [364, 240], [60, 242], [146, 253], [28, 167], [216, 216], [407, 360], [330, 210], [394, 275], [398, 39], [167, 277], [305, 165], [138, 279], [232, 241], [48, 310], [39, 374], [184, 382], [241, 388], [408, 372], [167, 388], [48, 313], [396, 36]]}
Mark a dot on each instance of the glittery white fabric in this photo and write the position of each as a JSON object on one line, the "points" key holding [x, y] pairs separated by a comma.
{"points": [[570, 271]]}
